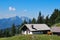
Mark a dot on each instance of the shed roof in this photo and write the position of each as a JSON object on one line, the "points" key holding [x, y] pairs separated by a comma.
{"points": [[37, 27], [55, 29]]}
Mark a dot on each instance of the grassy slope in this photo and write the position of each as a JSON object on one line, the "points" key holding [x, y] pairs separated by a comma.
{"points": [[57, 25], [32, 37]]}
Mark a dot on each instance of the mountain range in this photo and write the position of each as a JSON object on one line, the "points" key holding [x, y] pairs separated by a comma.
{"points": [[7, 22]]}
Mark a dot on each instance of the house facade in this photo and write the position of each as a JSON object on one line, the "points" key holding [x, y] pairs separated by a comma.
{"points": [[35, 29]]}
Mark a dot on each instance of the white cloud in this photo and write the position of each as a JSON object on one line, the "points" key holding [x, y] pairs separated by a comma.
{"points": [[25, 10], [12, 8]]}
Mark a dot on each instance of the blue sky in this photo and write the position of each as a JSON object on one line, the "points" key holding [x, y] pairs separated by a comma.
{"points": [[28, 8]]}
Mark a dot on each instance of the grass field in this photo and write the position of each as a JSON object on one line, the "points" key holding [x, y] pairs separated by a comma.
{"points": [[33, 37]]}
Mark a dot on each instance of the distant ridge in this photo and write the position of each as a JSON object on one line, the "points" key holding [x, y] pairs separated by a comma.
{"points": [[7, 22]]}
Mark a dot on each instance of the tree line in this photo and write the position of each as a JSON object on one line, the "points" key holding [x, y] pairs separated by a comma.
{"points": [[49, 20], [8, 32], [15, 30]]}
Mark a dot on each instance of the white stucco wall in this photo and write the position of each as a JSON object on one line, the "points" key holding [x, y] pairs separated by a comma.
{"points": [[24, 32], [30, 32]]}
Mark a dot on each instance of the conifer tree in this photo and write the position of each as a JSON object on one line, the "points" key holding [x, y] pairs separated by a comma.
{"points": [[33, 21], [13, 30], [40, 18]]}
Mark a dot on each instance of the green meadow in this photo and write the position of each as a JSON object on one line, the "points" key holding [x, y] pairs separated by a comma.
{"points": [[33, 37]]}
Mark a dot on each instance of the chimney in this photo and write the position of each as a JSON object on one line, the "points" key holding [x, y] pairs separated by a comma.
{"points": [[32, 26]]}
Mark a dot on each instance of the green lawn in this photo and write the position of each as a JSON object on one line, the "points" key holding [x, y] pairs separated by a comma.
{"points": [[32, 37]]}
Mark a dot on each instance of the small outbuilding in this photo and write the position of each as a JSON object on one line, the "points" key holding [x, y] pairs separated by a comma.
{"points": [[55, 30], [35, 29]]}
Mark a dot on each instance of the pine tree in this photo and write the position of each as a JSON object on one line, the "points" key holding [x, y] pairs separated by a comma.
{"points": [[29, 21], [7, 32], [13, 30], [40, 18], [25, 22], [18, 29], [0, 33], [57, 20], [54, 16], [47, 20], [33, 21]]}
